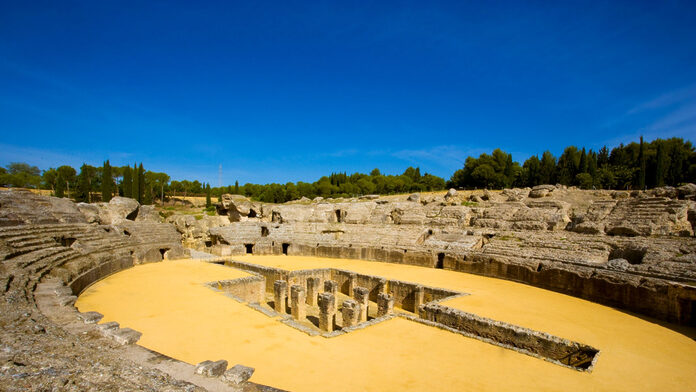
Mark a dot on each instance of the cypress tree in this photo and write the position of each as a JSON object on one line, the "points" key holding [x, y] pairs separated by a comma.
{"points": [[136, 182], [107, 182], [82, 193], [660, 169], [141, 183], [583, 161], [641, 160], [127, 182], [236, 187], [208, 203]]}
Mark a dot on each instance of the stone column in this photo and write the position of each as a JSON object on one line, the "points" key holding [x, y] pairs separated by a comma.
{"points": [[327, 311], [385, 304], [352, 281], [330, 286], [297, 302], [362, 296], [382, 286], [280, 295], [351, 312], [312, 290], [418, 296]]}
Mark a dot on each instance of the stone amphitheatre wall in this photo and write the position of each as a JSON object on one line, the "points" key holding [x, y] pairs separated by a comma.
{"points": [[635, 251]]}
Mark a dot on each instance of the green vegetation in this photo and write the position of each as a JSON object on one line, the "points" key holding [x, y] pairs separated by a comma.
{"points": [[633, 166]]}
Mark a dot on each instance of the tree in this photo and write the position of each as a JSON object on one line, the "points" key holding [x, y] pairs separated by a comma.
{"points": [[547, 172], [236, 187], [660, 165], [375, 172], [22, 175], [208, 202], [141, 183], [641, 169], [136, 182], [50, 177], [84, 180], [66, 178], [106, 182], [127, 182]]}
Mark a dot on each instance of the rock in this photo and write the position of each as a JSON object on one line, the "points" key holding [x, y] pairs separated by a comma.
{"points": [[123, 336], [238, 208], [450, 193], [211, 369], [541, 190], [687, 191], [620, 195], [90, 317], [90, 211], [148, 214], [476, 199], [618, 264], [24, 207], [415, 197], [237, 375], [305, 199], [318, 199], [369, 197], [117, 210]]}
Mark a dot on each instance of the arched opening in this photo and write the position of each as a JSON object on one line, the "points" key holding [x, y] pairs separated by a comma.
{"points": [[285, 248], [249, 248], [252, 213], [440, 261]]}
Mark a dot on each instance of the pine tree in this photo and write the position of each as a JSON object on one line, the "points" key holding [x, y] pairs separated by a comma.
{"points": [[208, 203], [641, 160], [136, 182], [141, 183], [127, 182], [60, 186], [107, 182]]}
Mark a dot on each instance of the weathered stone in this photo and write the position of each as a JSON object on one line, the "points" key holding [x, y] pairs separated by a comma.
{"points": [[237, 375], [312, 290], [327, 311], [330, 286], [351, 312], [362, 297], [297, 302], [211, 369], [385, 304], [415, 197], [90, 317], [280, 294]]}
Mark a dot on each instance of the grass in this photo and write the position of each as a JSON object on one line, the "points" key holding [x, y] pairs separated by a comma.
{"points": [[470, 203]]}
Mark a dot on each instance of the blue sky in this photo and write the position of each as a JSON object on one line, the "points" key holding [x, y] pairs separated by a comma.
{"points": [[288, 91]]}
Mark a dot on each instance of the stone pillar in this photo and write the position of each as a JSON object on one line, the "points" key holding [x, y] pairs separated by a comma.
{"points": [[382, 286], [418, 296], [351, 313], [280, 295], [352, 281], [330, 286], [385, 304], [312, 290], [362, 296], [327, 311], [297, 302]]}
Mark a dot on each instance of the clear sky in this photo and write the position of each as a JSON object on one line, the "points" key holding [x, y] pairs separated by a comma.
{"points": [[288, 91]]}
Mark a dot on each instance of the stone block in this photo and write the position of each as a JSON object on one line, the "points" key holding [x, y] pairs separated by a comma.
{"points": [[297, 302], [362, 297], [312, 290], [350, 312], [280, 293], [385, 304], [90, 317], [330, 286], [124, 336], [211, 369], [237, 374], [419, 295], [327, 311]]}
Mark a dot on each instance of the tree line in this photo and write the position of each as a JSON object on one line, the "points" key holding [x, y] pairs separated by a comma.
{"points": [[637, 165], [633, 166]]}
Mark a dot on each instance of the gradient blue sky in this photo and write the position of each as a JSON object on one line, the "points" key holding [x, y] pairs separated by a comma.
{"points": [[287, 91]]}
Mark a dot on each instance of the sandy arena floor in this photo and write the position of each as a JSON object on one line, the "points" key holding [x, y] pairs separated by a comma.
{"points": [[182, 318]]}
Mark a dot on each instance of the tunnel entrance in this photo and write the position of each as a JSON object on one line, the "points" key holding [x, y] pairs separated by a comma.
{"points": [[285, 248], [440, 261], [163, 251], [339, 216], [264, 231], [252, 213], [249, 248]]}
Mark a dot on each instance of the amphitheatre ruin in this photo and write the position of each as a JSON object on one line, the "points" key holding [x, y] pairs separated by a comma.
{"points": [[550, 288]]}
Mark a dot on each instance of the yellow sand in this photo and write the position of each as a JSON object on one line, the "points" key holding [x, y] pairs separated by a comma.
{"points": [[182, 318]]}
